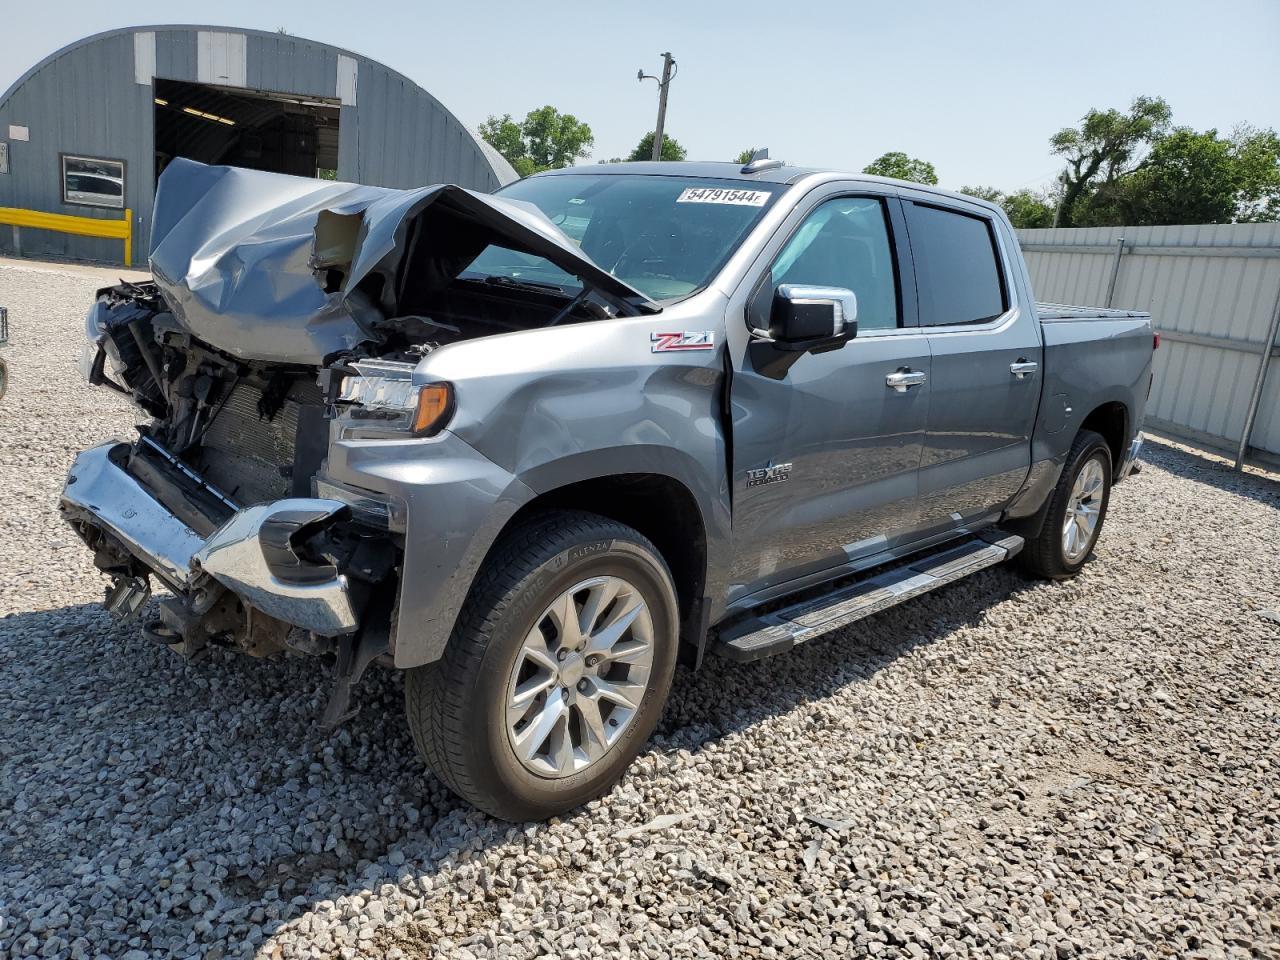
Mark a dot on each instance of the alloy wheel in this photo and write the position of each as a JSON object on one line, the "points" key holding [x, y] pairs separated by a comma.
{"points": [[1080, 525], [579, 677]]}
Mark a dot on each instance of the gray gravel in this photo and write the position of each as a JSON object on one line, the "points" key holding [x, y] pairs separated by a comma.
{"points": [[1001, 769]]}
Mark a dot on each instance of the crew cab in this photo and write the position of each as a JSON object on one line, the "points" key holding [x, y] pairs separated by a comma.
{"points": [[533, 448]]}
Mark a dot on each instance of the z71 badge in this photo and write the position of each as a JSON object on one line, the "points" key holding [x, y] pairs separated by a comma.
{"points": [[775, 473], [685, 340]]}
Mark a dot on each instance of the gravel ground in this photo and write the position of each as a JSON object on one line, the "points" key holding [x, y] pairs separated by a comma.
{"points": [[1000, 769]]}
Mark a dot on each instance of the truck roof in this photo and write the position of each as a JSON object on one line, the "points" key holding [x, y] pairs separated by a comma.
{"points": [[779, 173], [692, 168]]}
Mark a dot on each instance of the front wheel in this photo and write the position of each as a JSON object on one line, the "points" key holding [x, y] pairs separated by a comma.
{"points": [[1077, 509], [557, 671]]}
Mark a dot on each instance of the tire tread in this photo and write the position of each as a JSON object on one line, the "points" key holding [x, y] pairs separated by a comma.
{"points": [[1041, 556], [435, 694]]}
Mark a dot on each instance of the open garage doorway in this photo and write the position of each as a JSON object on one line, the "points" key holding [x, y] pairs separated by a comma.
{"points": [[276, 132]]}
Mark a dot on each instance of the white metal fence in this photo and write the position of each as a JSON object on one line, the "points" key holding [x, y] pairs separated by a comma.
{"points": [[1214, 293]]}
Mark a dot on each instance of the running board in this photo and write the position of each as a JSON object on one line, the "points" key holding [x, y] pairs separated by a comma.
{"points": [[782, 629]]}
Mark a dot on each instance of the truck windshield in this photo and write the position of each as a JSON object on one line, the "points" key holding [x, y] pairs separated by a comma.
{"points": [[664, 236]]}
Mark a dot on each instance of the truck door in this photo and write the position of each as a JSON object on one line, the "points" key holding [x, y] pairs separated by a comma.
{"points": [[986, 377], [825, 457]]}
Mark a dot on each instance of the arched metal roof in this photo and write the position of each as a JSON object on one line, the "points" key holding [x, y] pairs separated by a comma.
{"points": [[94, 98], [503, 171]]}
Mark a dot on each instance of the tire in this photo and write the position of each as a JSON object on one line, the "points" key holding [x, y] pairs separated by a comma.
{"points": [[460, 708], [1048, 555]]}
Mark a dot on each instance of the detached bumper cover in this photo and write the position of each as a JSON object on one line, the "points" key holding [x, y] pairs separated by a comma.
{"points": [[99, 491], [289, 589], [251, 554]]}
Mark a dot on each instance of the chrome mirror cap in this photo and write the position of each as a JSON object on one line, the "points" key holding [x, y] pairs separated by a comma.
{"points": [[842, 300]]}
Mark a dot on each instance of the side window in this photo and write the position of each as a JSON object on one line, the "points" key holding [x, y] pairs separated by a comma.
{"points": [[845, 243], [958, 274]]}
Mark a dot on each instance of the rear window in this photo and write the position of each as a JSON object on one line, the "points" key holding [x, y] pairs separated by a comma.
{"points": [[957, 269]]}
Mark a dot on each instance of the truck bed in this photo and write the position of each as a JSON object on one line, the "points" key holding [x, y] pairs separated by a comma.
{"points": [[1071, 311]]}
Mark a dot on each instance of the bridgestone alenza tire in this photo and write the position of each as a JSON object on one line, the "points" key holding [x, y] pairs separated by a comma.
{"points": [[458, 707], [1046, 555]]}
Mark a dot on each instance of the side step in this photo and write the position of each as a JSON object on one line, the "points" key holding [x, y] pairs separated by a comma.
{"points": [[782, 629]]}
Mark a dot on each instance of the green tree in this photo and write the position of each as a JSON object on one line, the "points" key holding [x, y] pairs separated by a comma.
{"points": [[990, 194], [671, 149], [1192, 177], [1025, 208], [1028, 210], [1101, 151], [1257, 170], [898, 165], [745, 156], [544, 140], [1188, 177]]}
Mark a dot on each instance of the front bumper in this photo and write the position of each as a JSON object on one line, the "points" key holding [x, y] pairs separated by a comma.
{"points": [[252, 554]]}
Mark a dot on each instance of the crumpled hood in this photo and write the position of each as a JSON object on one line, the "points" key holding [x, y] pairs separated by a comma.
{"points": [[242, 257]]}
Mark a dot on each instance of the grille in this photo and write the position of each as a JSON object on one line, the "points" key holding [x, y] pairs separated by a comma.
{"points": [[248, 457]]}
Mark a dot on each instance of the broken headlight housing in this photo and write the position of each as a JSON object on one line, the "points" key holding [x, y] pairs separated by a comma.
{"points": [[95, 334]]}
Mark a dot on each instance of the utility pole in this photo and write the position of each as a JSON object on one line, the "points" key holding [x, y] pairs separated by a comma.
{"points": [[663, 83], [1062, 192]]}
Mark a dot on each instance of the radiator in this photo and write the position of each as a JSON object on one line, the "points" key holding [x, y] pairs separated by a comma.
{"points": [[248, 457]]}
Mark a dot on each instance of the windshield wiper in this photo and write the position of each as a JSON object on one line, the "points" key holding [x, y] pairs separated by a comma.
{"points": [[512, 283]]}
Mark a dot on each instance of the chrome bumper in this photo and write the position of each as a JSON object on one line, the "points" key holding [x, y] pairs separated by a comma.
{"points": [[100, 491], [250, 554], [1130, 464], [287, 588]]}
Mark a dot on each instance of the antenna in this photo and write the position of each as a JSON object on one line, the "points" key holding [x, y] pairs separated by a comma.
{"points": [[760, 161]]}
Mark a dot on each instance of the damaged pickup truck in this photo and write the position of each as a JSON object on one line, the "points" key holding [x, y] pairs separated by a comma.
{"points": [[535, 447]]}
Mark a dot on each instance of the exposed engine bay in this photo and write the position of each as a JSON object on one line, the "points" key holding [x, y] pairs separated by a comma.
{"points": [[248, 359], [227, 437]]}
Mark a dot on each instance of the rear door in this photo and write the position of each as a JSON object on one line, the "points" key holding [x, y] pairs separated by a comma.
{"points": [[986, 370], [825, 458]]}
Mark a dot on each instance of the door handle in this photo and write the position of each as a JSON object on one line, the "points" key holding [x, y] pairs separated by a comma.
{"points": [[1023, 368], [902, 380]]}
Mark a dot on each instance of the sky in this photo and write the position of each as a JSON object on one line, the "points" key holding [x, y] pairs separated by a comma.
{"points": [[975, 88]]}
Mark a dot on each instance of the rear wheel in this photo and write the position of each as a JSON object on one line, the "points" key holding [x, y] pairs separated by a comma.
{"points": [[557, 672], [1077, 509]]}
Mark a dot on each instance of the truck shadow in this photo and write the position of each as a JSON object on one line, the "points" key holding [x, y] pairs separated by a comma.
{"points": [[218, 772], [1214, 473], [725, 698]]}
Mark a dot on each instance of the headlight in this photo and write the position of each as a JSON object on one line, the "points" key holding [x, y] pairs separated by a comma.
{"points": [[88, 357], [95, 323], [95, 332], [96, 338], [383, 397]]}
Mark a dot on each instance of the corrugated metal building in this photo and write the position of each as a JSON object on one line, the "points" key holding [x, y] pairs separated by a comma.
{"points": [[1213, 291], [88, 129]]}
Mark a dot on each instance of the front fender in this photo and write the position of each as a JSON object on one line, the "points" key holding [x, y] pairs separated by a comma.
{"points": [[708, 488], [455, 502], [538, 411]]}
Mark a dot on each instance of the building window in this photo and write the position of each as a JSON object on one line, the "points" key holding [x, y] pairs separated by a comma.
{"points": [[93, 182]]}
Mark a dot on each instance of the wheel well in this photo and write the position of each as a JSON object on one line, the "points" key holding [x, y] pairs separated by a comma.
{"points": [[659, 507], [1111, 421]]}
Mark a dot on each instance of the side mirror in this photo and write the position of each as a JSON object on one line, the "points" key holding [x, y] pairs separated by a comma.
{"points": [[812, 319]]}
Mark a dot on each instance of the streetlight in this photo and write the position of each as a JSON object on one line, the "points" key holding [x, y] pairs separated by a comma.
{"points": [[663, 83]]}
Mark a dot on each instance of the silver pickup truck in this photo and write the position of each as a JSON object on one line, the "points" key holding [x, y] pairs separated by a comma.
{"points": [[533, 448]]}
